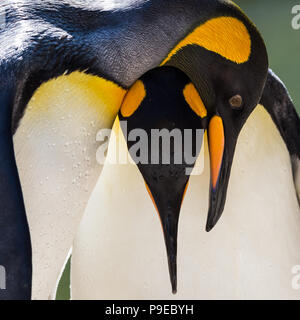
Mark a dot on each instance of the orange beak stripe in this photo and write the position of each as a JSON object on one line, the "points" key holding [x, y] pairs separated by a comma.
{"points": [[216, 147]]}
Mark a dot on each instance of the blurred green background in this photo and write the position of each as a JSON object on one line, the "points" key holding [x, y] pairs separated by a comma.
{"points": [[273, 19]]}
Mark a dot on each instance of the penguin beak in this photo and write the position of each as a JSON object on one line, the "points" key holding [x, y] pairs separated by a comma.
{"points": [[167, 196], [221, 155]]}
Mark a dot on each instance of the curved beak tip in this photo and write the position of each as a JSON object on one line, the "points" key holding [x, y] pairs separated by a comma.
{"points": [[208, 228], [213, 218], [210, 225]]}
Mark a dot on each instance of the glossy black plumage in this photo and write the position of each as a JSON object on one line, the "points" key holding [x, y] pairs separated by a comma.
{"points": [[279, 104], [15, 246]]}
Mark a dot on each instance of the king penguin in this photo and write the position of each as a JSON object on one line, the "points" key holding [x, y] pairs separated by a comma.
{"points": [[65, 67], [251, 253]]}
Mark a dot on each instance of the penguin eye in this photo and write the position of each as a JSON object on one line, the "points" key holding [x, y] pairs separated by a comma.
{"points": [[236, 102]]}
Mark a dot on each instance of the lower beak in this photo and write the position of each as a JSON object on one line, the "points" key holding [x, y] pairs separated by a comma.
{"points": [[221, 156], [167, 200]]}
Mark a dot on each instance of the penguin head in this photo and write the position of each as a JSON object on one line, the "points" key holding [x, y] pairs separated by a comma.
{"points": [[225, 57], [162, 118]]}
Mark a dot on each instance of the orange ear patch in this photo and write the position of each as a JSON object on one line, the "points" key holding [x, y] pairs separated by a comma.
{"points": [[226, 36], [133, 99], [194, 100]]}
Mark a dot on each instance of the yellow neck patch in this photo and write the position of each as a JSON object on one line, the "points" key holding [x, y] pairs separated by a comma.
{"points": [[193, 99], [133, 99], [226, 36], [78, 89]]}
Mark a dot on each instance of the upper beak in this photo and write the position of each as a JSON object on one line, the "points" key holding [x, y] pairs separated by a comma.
{"points": [[221, 149]]}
